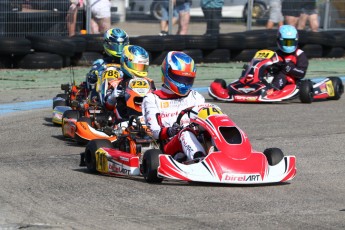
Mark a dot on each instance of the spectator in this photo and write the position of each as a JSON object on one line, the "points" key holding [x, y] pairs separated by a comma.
{"points": [[100, 16], [72, 16], [212, 10], [183, 9], [165, 17], [291, 10], [276, 16], [309, 12]]}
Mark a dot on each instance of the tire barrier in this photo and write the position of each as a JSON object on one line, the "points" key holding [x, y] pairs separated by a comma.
{"points": [[41, 52]]}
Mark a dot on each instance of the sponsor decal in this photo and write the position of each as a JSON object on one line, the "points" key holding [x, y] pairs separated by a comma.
{"points": [[165, 115], [246, 90], [239, 178], [117, 168], [125, 159], [245, 98], [165, 104]]}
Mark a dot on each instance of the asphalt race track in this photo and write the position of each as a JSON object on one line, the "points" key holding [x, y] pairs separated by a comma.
{"points": [[42, 186]]}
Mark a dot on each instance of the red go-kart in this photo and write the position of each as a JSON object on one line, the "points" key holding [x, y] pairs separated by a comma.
{"points": [[254, 84], [230, 158]]}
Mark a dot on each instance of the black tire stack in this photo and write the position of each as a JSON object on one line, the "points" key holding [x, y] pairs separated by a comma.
{"points": [[39, 52]]}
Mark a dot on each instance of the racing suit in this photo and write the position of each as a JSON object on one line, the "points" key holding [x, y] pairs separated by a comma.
{"points": [[160, 110], [293, 65]]}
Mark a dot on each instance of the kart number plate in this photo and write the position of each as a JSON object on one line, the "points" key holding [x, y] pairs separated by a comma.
{"points": [[142, 84], [204, 113], [264, 54], [111, 73]]}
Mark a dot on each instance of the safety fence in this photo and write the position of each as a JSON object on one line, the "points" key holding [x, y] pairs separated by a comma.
{"points": [[19, 18]]}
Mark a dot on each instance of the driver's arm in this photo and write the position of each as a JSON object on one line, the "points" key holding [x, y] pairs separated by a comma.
{"points": [[152, 117]]}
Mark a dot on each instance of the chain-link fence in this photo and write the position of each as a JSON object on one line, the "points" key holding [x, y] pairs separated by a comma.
{"points": [[19, 18]]}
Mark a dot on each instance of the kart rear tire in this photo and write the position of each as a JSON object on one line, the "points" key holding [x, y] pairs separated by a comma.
{"points": [[62, 95], [59, 103], [273, 155], [338, 88], [306, 93], [90, 152], [150, 166]]}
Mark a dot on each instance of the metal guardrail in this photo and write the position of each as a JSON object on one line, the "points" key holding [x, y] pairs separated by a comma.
{"points": [[19, 18]]}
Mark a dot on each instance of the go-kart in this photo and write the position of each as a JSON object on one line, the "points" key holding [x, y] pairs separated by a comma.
{"points": [[98, 122], [230, 159], [254, 84], [76, 97], [131, 141], [71, 99]]}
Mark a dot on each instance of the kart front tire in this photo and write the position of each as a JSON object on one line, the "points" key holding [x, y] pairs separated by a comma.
{"points": [[90, 152], [150, 166], [306, 93], [338, 88], [273, 155]]}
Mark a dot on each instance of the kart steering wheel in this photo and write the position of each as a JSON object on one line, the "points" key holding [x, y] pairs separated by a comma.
{"points": [[183, 112]]}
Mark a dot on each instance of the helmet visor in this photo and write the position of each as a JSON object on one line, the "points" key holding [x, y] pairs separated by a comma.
{"points": [[137, 66], [185, 80], [115, 46], [288, 42]]}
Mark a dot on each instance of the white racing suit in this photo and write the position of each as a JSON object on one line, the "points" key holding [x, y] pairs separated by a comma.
{"points": [[160, 110]]}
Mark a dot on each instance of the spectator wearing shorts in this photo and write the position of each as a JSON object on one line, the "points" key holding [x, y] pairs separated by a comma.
{"points": [[165, 17], [291, 10], [100, 16], [276, 16], [309, 12], [183, 9]]}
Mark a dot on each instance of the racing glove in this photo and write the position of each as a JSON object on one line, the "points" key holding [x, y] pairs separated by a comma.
{"points": [[288, 67], [92, 76], [173, 130]]}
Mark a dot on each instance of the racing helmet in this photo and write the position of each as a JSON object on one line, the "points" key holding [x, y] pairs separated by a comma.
{"points": [[135, 61], [114, 41], [178, 72], [287, 38]]}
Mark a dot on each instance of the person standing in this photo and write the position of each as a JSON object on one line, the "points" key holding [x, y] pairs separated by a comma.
{"points": [[164, 6], [183, 9], [100, 16], [72, 16], [276, 16], [291, 10], [309, 12], [212, 10]]}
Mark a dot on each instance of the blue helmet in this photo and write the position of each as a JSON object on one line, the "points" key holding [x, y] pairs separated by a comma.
{"points": [[287, 38], [114, 41], [178, 72]]}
